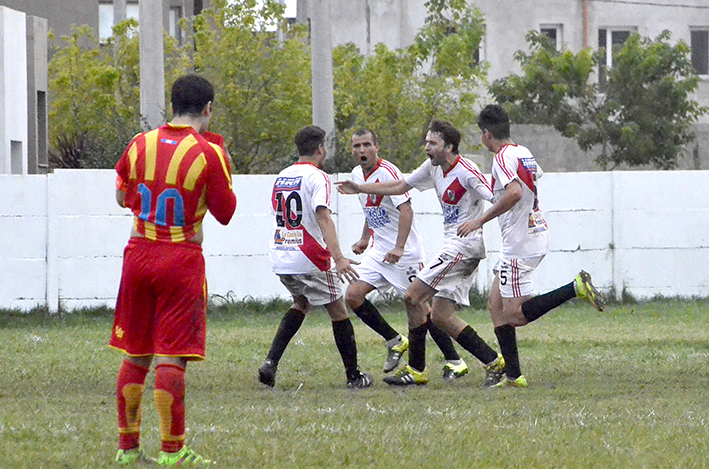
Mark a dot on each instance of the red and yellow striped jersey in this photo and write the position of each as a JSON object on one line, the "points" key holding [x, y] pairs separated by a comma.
{"points": [[172, 176]]}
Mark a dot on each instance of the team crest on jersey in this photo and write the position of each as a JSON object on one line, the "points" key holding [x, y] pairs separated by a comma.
{"points": [[374, 200], [454, 193]]}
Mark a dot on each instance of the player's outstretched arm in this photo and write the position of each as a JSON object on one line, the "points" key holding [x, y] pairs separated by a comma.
{"points": [[397, 187]]}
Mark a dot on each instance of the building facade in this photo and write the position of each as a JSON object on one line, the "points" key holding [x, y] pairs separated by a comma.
{"points": [[99, 14], [572, 24], [24, 144]]}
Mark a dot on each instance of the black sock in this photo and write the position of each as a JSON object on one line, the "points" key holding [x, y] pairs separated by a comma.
{"points": [[507, 338], [417, 347], [473, 343], [535, 308], [369, 314], [444, 342], [345, 341], [290, 324]]}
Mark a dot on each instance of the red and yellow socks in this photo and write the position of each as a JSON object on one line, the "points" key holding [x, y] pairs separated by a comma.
{"points": [[170, 403], [130, 385]]}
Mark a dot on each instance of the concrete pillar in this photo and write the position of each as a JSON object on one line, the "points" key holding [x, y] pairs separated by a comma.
{"points": [[321, 53], [152, 64], [13, 92], [119, 11], [37, 90]]}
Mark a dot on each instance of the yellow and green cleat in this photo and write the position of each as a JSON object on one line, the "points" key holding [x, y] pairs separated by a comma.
{"points": [[394, 354], [494, 371], [407, 376], [184, 457], [453, 370], [520, 382], [128, 457], [585, 289]]}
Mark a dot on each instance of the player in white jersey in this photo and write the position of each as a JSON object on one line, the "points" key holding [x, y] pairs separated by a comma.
{"points": [[395, 257], [447, 279], [303, 244], [525, 241]]}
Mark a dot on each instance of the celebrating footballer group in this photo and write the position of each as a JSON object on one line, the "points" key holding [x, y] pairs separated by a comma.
{"points": [[171, 176]]}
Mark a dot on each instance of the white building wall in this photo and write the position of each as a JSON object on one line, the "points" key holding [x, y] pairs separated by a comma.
{"points": [[643, 232], [13, 92]]}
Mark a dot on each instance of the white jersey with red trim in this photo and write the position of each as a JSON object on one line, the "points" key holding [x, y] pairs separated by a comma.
{"points": [[383, 215], [461, 191], [524, 231], [297, 244]]}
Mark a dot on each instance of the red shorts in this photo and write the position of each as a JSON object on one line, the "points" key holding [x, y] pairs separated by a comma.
{"points": [[162, 301]]}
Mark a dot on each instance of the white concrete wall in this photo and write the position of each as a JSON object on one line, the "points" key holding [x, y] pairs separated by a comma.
{"points": [[62, 236], [13, 90]]}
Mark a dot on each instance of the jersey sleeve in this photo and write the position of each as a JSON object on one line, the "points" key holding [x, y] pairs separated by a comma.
{"points": [[320, 187], [504, 169], [213, 137], [123, 165], [422, 178], [397, 176], [221, 200], [476, 181]]}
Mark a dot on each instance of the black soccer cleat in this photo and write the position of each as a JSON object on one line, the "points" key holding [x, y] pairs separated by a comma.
{"points": [[267, 373]]}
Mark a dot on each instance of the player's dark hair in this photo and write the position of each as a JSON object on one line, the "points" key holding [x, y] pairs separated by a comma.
{"points": [[495, 119], [308, 139], [446, 130], [364, 131], [190, 94]]}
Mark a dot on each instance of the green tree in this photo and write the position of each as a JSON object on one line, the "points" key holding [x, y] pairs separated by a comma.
{"points": [[397, 93], [642, 115], [94, 95], [263, 85]]}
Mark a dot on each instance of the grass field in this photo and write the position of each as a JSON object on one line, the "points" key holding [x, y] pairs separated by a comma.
{"points": [[626, 388]]}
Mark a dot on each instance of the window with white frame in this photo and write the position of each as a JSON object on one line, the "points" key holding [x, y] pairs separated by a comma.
{"points": [[699, 42], [480, 55], [106, 21], [555, 32], [608, 40], [174, 23]]}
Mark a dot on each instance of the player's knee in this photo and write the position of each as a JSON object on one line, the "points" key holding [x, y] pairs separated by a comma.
{"points": [[354, 299], [490, 304], [411, 301]]}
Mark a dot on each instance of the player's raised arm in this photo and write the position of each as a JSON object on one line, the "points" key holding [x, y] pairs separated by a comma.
{"points": [[397, 187]]}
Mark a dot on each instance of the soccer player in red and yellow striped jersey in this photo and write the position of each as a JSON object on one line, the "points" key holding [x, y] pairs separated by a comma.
{"points": [[169, 178]]}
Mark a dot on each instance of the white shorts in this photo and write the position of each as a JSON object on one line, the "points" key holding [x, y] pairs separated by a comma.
{"points": [[451, 276], [381, 274], [319, 288], [516, 276]]}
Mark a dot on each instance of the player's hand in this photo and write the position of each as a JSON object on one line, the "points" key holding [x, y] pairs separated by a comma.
{"points": [[347, 187], [394, 255], [468, 227], [345, 270], [360, 246]]}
